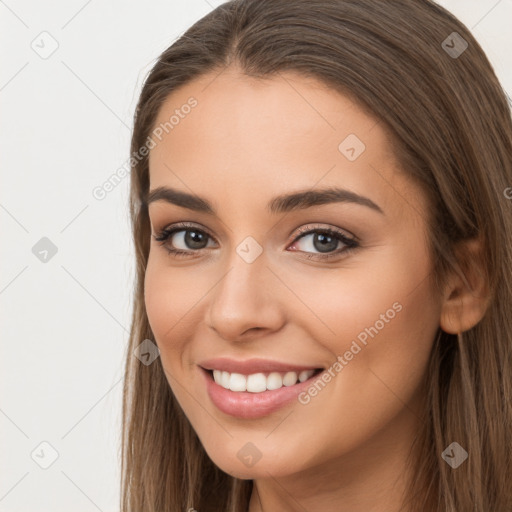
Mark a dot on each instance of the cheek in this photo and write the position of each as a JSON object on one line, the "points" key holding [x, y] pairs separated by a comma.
{"points": [[379, 295], [170, 297], [381, 317], [400, 351], [385, 325]]}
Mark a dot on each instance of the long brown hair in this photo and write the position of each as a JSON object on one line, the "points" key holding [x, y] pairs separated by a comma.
{"points": [[450, 123]]}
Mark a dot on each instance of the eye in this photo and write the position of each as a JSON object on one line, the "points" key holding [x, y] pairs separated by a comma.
{"points": [[329, 242], [183, 239]]}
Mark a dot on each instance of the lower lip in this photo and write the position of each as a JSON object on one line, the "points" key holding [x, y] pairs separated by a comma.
{"points": [[246, 405]]}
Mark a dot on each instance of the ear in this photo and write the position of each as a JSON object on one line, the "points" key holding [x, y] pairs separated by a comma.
{"points": [[466, 294]]}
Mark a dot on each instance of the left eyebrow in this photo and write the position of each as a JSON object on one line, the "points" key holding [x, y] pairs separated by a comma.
{"points": [[308, 198], [300, 200]]}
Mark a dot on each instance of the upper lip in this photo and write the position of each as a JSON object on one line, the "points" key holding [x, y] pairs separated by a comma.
{"points": [[250, 366]]}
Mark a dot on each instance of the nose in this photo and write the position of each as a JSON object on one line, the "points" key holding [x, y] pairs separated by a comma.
{"points": [[245, 303]]}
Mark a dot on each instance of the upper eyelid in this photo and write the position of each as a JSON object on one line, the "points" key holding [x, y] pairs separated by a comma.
{"points": [[302, 231], [337, 231]]}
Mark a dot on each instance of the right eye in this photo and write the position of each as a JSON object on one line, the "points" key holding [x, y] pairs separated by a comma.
{"points": [[183, 239]]}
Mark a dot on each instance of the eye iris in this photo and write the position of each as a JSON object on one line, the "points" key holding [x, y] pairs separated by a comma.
{"points": [[195, 239], [322, 246]]}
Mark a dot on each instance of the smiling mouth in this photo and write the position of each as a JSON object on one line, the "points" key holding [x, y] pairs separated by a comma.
{"points": [[260, 382]]}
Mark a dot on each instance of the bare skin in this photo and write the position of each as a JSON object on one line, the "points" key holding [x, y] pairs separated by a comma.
{"points": [[244, 143]]}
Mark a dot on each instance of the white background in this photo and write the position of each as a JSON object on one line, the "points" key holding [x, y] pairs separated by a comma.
{"points": [[65, 128]]}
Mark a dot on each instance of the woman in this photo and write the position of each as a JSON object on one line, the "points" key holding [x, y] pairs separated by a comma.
{"points": [[322, 234]]}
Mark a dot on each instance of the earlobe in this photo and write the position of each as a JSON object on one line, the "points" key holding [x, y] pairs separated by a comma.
{"points": [[466, 296]]}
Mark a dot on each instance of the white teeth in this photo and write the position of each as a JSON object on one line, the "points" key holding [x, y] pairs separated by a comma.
{"points": [[274, 381], [256, 383], [304, 375], [259, 382], [290, 379], [224, 380], [237, 382]]}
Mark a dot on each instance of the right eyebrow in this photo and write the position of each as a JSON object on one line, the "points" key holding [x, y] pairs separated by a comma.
{"points": [[183, 199]]}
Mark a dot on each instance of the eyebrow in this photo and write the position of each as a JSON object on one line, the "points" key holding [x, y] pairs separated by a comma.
{"points": [[300, 200]]}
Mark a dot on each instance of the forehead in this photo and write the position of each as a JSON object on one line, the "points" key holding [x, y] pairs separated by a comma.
{"points": [[281, 109], [227, 131]]}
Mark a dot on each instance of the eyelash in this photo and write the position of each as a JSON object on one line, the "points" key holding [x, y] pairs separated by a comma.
{"points": [[350, 243]]}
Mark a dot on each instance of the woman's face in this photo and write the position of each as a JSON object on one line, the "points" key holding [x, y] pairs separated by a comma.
{"points": [[269, 177]]}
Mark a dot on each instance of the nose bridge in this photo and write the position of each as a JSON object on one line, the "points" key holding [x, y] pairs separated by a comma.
{"points": [[243, 299]]}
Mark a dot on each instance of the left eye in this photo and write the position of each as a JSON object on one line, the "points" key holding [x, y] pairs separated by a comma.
{"points": [[323, 241]]}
